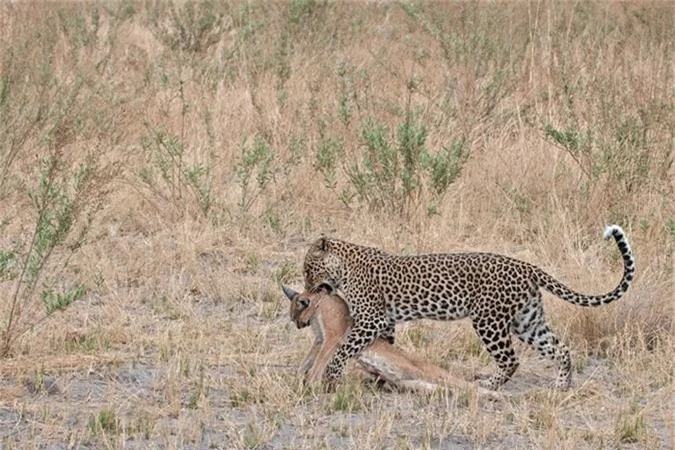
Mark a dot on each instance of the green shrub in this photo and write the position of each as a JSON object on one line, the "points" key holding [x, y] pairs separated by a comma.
{"points": [[399, 173], [169, 175], [64, 201], [255, 170]]}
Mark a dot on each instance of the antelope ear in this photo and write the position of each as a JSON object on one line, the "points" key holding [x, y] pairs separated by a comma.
{"points": [[290, 293]]}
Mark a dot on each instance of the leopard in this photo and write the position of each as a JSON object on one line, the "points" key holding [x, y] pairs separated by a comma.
{"points": [[328, 316], [500, 295]]}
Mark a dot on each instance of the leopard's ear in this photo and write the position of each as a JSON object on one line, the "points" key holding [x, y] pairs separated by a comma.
{"points": [[320, 245], [290, 293], [326, 287]]}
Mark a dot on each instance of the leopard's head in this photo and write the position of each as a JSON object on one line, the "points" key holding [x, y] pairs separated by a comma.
{"points": [[322, 266]]}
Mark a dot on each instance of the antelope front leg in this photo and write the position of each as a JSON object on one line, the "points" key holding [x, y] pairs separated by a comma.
{"points": [[324, 356], [309, 360]]}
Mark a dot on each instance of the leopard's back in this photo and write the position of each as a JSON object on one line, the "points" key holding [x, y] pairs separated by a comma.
{"points": [[450, 286]]}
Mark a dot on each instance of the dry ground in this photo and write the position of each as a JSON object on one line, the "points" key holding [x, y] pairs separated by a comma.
{"points": [[164, 167]]}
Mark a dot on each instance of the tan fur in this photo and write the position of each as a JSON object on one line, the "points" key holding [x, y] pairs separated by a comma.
{"points": [[329, 318]]}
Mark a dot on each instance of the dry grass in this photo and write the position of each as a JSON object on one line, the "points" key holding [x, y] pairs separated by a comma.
{"points": [[209, 129]]}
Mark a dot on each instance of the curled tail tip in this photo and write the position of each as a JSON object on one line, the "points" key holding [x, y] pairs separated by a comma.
{"points": [[613, 230]]}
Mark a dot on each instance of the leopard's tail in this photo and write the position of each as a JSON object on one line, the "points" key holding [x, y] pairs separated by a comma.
{"points": [[546, 281]]}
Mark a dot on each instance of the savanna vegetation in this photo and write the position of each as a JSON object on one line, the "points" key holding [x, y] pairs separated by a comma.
{"points": [[165, 165]]}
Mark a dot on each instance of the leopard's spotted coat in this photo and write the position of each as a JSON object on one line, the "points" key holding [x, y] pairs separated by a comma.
{"points": [[500, 295]]}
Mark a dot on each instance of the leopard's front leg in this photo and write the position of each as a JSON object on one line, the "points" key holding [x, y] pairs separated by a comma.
{"points": [[388, 333], [361, 334]]}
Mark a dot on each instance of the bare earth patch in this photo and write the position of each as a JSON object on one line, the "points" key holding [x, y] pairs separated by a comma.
{"points": [[225, 398]]}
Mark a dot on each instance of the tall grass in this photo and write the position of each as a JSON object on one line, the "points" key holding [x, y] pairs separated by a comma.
{"points": [[537, 120]]}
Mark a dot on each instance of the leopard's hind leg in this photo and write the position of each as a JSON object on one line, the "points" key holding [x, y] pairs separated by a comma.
{"points": [[530, 326], [497, 339]]}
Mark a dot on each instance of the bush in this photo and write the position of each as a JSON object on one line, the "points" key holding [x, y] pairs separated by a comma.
{"points": [[399, 173]]}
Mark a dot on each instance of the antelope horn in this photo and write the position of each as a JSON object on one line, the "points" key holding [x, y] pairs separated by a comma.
{"points": [[290, 293]]}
